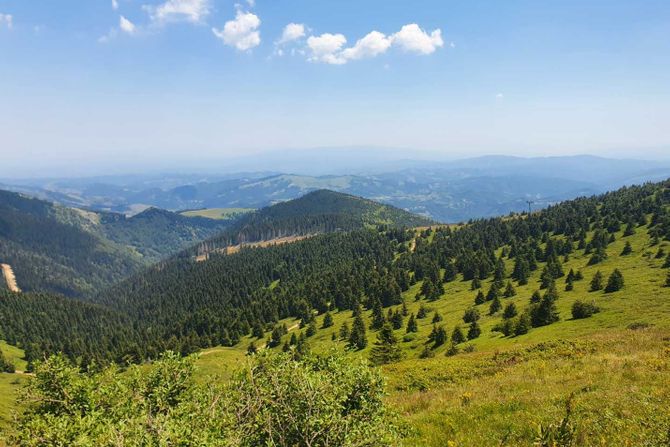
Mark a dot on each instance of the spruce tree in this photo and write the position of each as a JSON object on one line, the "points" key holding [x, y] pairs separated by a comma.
{"points": [[480, 298], [437, 317], [523, 324], [474, 331], [327, 320], [438, 336], [358, 338], [597, 282], [495, 306], [615, 282], [386, 349], [397, 320], [422, 313], [569, 285], [536, 297], [344, 332], [509, 290], [627, 249], [470, 315], [545, 312], [378, 318], [412, 325], [510, 311], [311, 329], [457, 336], [252, 349]]}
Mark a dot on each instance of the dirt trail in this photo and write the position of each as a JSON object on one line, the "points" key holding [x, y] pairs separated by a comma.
{"points": [[10, 278]]}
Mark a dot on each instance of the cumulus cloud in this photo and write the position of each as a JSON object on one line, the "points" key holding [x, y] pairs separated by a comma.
{"points": [[412, 38], [126, 25], [373, 44], [241, 33], [115, 5], [193, 11], [329, 48], [292, 31], [7, 20]]}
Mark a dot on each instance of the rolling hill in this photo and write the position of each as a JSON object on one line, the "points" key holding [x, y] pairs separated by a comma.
{"points": [[504, 331], [76, 252]]}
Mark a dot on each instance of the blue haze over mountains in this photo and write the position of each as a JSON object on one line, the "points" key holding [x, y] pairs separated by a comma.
{"points": [[447, 191]]}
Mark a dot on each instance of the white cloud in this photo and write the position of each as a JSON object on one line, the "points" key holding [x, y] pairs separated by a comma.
{"points": [[251, 3], [373, 44], [126, 25], [241, 33], [115, 5], [179, 10], [327, 48], [292, 31], [413, 39], [7, 20]]}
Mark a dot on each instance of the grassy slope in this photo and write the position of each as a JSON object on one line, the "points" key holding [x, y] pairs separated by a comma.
{"points": [[10, 384], [481, 398], [508, 386]]}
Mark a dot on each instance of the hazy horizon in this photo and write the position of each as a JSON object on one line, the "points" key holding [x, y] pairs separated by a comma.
{"points": [[122, 86]]}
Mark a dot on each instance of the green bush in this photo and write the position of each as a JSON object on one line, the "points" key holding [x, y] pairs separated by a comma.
{"points": [[275, 400]]}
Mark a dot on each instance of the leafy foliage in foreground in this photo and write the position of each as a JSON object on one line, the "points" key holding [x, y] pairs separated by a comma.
{"points": [[275, 400]]}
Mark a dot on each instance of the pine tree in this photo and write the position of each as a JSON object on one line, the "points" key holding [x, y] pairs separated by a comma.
{"points": [[257, 330], [327, 320], [252, 349], [412, 326], [457, 336], [422, 313], [597, 282], [471, 315], [476, 284], [358, 338], [438, 336], [615, 282], [344, 331], [493, 292], [569, 285], [480, 298], [397, 320], [311, 329], [536, 297], [666, 264], [437, 317], [386, 349], [523, 324], [450, 272], [495, 306], [510, 311], [509, 290], [474, 331], [627, 249], [378, 318], [579, 276], [545, 312]]}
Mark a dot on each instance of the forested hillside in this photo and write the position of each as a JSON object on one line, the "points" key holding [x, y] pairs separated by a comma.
{"points": [[321, 211], [76, 252]]}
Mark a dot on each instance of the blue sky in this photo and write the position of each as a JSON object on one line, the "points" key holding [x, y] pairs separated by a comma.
{"points": [[102, 82]]}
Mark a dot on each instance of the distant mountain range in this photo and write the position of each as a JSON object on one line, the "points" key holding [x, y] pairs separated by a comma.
{"points": [[444, 191]]}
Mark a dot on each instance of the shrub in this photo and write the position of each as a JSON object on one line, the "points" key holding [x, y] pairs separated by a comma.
{"points": [[581, 309], [275, 400]]}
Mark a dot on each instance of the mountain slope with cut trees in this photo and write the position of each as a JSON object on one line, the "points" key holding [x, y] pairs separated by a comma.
{"points": [[321, 211], [77, 252]]}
